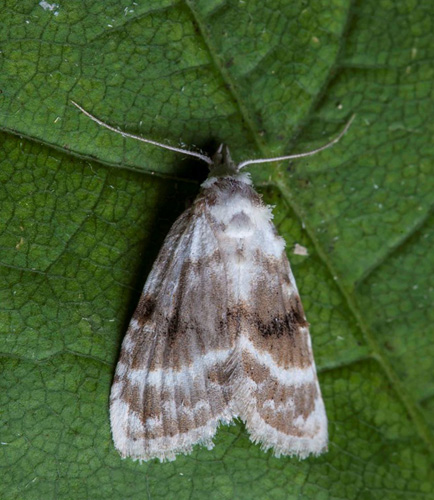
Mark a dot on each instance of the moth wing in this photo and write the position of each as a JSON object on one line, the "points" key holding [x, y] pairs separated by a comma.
{"points": [[279, 394], [171, 390]]}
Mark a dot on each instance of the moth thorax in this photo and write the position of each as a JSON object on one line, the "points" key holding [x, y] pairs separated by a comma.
{"points": [[240, 226]]}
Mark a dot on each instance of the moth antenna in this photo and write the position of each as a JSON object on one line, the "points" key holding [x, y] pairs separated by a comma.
{"points": [[142, 139], [301, 155]]}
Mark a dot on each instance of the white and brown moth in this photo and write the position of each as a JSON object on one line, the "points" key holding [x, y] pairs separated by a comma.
{"points": [[219, 332]]}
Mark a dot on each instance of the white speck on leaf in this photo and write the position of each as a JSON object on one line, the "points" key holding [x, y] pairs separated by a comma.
{"points": [[49, 6], [300, 250]]}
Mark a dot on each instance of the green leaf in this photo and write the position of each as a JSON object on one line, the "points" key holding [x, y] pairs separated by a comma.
{"points": [[84, 212]]}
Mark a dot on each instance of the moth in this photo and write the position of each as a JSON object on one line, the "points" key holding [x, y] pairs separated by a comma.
{"points": [[219, 332]]}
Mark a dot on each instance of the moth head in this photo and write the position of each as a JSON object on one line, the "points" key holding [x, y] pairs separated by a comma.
{"points": [[222, 163]]}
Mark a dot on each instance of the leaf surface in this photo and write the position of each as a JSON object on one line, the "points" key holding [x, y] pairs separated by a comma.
{"points": [[85, 211]]}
